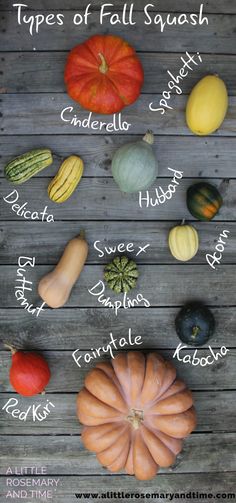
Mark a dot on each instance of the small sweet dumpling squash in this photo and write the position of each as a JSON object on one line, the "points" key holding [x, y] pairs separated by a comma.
{"points": [[135, 413]]}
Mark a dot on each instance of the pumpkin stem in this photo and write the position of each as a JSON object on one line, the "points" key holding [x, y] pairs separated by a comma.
{"points": [[13, 350], [135, 418], [104, 66], [149, 137], [183, 221]]}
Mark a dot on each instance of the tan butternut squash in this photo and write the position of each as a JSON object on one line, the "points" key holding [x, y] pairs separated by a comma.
{"points": [[55, 287]]}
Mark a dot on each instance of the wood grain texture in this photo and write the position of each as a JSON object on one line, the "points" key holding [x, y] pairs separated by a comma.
{"points": [[65, 329], [194, 155], [216, 37], [205, 483], [41, 114], [42, 73], [215, 412], [66, 455], [224, 7], [161, 285], [101, 199], [67, 376], [49, 242]]}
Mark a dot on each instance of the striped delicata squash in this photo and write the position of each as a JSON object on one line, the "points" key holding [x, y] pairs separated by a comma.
{"points": [[27, 165], [66, 180]]}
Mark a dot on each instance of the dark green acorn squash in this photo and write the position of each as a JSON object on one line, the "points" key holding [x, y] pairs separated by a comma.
{"points": [[195, 324], [203, 201], [121, 274]]}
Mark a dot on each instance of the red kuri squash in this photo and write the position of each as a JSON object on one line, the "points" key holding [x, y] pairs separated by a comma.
{"points": [[29, 372], [135, 413], [104, 74]]}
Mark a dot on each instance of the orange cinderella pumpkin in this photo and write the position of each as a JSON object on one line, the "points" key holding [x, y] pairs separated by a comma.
{"points": [[104, 74], [135, 413]]}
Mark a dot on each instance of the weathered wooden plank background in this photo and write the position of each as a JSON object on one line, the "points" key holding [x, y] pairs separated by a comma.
{"points": [[46, 111], [216, 6], [68, 377], [196, 156], [52, 454], [32, 98], [15, 241], [154, 284], [46, 75], [202, 483], [216, 36], [99, 198], [215, 409], [70, 327]]}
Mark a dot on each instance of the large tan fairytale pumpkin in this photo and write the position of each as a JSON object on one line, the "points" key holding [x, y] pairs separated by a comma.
{"points": [[135, 413]]}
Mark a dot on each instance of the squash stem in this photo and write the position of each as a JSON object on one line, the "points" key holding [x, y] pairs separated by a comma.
{"points": [[135, 418], [195, 331], [82, 234], [149, 137], [183, 221], [104, 66], [13, 350]]}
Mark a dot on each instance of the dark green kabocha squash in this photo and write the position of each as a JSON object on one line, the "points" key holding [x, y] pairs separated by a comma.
{"points": [[203, 201], [121, 274], [195, 324]]}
